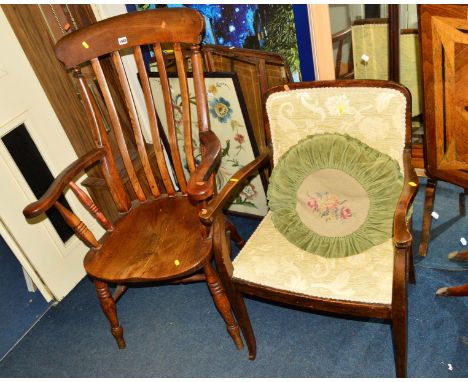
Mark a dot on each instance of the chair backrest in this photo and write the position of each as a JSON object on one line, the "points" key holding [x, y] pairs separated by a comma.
{"points": [[377, 113], [410, 67], [370, 38], [162, 31]]}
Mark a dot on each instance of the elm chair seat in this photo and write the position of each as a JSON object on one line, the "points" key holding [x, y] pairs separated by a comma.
{"points": [[157, 255]]}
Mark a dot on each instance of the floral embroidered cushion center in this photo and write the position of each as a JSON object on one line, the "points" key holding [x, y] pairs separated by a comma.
{"points": [[334, 196], [330, 207]]}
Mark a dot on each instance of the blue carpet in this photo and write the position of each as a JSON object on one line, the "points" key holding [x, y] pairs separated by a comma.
{"points": [[19, 309], [175, 331], [446, 231]]}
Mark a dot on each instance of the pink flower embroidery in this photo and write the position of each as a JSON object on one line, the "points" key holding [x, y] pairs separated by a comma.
{"points": [[239, 138], [312, 203], [345, 213], [328, 207]]}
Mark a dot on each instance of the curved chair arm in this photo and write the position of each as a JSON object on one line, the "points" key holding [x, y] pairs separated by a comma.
{"points": [[61, 181], [401, 234], [206, 214], [199, 187]]}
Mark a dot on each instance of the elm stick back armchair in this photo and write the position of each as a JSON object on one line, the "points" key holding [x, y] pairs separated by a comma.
{"points": [[158, 236], [337, 237]]}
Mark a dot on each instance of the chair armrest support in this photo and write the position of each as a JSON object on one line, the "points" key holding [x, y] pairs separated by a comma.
{"points": [[61, 181], [237, 180], [199, 185], [401, 234]]}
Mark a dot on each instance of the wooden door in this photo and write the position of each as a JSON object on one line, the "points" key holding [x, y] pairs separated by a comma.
{"points": [[29, 125]]}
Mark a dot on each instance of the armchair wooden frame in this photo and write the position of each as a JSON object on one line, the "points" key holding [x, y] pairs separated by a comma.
{"points": [[158, 236], [403, 269]]}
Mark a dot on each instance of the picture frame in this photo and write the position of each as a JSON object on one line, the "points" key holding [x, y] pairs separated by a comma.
{"points": [[255, 26], [232, 127]]}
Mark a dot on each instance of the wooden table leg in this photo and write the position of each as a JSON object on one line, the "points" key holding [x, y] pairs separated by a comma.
{"points": [[459, 290], [461, 201], [458, 256], [456, 291], [234, 234], [427, 218]]}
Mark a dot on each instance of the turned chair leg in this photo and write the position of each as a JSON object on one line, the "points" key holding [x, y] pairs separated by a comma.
{"points": [[222, 304], [461, 201], [234, 234], [459, 290], [427, 218], [399, 332], [456, 291], [412, 272], [240, 311], [458, 256], [108, 307]]}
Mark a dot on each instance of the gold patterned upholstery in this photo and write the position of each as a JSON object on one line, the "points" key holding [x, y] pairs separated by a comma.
{"points": [[372, 40], [271, 260]]}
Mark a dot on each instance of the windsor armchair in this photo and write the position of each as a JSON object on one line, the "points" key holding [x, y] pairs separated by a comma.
{"points": [[158, 236], [273, 265]]}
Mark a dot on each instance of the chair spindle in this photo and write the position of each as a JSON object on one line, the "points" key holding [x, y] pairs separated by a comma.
{"points": [[200, 90], [135, 124], [170, 118], [80, 229], [119, 137], [163, 168], [186, 117], [87, 202], [98, 130]]}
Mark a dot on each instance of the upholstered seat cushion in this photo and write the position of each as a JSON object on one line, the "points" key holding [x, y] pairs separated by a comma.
{"points": [[269, 259]]}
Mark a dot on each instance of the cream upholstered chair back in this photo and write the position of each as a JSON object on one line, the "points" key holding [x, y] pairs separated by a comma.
{"points": [[410, 69], [375, 116], [371, 39]]}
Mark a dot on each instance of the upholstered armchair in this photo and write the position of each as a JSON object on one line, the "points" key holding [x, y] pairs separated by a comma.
{"points": [[326, 244]]}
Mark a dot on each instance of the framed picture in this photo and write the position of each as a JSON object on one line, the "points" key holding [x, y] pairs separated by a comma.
{"points": [[279, 28], [230, 122]]}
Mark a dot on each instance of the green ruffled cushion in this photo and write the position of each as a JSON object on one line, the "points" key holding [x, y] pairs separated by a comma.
{"points": [[334, 196]]}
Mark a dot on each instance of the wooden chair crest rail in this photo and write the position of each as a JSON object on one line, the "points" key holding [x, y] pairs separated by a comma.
{"points": [[339, 39], [273, 268], [158, 236]]}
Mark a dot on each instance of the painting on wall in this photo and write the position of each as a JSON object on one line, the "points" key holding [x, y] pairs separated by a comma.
{"points": [[229, 121], [268, 27]]}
